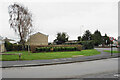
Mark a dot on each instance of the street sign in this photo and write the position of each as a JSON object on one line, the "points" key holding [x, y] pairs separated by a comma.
{"points": [[111, 39]]}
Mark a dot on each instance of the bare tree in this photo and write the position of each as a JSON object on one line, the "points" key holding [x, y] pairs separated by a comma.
{"points": [[21, 21]]}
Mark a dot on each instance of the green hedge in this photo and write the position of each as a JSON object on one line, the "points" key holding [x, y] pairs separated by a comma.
{"points": [[47, 49], [14, 47]]}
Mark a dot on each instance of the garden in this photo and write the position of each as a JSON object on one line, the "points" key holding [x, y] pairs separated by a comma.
{"points": [[48, 52]]}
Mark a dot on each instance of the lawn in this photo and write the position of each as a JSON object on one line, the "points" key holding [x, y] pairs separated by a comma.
{"points": [[112, 51], [48, 55]]}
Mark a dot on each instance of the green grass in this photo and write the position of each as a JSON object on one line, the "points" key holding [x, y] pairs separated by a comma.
{"points": [[48, 55], [112, 51]]}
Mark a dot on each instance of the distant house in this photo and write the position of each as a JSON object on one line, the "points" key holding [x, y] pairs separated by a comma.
{"points": [[38, 39], [9, 40], [2, 46], [71, 42]]}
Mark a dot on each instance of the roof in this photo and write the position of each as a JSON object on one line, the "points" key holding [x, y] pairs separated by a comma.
{"points": [[71, 41], [6, 39], [39, 33]]}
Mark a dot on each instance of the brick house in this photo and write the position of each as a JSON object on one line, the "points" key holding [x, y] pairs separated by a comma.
{"points": [[38, 39]]}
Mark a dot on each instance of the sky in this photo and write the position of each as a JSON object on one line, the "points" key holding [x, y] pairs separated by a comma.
{"points": [[71, 16]]}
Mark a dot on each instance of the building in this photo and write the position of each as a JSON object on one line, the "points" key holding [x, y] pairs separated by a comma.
{"points": [[71, 42], [2, 46], [9, 40], [38, 39]]}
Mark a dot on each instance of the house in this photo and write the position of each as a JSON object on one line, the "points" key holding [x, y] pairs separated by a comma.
{"points": [[38, 39], [2, 46], [71, 42], [9, 40]]}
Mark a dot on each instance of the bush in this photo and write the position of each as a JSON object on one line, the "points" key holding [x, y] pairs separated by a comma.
{"points": [[8, 46], [14, 47], [47, 49], [17, 47], [87, 44]]}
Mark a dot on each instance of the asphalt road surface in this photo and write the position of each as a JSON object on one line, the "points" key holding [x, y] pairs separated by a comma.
{"points": [[106, 68]]}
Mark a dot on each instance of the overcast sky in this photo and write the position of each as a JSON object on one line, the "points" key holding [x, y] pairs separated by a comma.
{"points": [[70, 16]]}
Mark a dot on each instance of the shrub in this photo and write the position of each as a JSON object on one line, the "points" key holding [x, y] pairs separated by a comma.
{"points": [[87, 44], [42, 49], [47, 49], [14, 47], [8, 46]]}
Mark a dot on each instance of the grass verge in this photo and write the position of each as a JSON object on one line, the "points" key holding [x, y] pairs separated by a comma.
{"points": [[48, 55], [112, 51]]}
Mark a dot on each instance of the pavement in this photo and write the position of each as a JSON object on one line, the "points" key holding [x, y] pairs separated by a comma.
{"points": [[30, 63]]}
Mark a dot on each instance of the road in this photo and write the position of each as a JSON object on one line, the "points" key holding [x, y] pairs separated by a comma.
{"points": [[98, 68], [114, 49]]}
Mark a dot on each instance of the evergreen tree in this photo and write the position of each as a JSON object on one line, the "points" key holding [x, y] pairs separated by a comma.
{"points": [[97, 38], [87, 36], [61, 38], [79, 38]]}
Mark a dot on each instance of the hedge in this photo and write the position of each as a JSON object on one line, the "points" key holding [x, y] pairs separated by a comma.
{"points": [[54, 47], [48, 49], [14, 47]]}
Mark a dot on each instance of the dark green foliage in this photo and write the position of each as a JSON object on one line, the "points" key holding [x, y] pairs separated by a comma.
{"points": [[97, 38], [41, 49], [87, 36], [13, 47], [8, 46], [87, 44], [17, 47], [61, 38], [48, 49], [79, 38]]}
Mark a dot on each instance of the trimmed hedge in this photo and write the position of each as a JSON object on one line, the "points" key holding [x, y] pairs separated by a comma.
{"points": [[48, 49]]}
